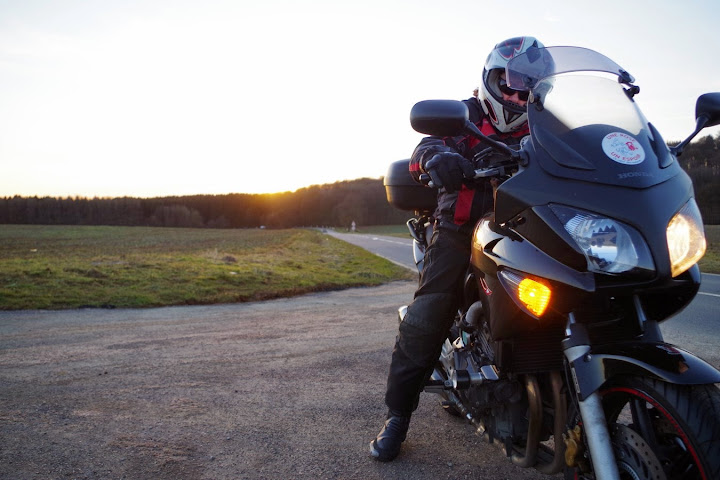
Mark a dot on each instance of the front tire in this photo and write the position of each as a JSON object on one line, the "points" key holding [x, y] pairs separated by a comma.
{"points": [[663, 431]]}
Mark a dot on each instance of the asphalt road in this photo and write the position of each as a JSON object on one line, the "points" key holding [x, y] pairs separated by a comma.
{"points": [[697, 328]]}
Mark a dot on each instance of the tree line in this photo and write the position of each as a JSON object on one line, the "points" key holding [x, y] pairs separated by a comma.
{"points": [[339, 204], [701, 160]]}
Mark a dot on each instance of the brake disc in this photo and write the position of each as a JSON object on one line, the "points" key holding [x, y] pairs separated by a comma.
{"points": [[635, 458]]}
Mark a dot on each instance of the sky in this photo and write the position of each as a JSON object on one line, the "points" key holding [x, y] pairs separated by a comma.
{"points": [[112, 98]]}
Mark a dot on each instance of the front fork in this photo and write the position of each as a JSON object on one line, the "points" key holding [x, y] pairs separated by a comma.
{"points": [[576, 348], [594, 423]]}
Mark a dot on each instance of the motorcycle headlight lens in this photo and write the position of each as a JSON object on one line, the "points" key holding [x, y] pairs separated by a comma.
{"points": [[610, 246], [685, 238]]}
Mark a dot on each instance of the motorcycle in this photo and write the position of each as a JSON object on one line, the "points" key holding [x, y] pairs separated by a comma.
{"points": [[556, 354]]}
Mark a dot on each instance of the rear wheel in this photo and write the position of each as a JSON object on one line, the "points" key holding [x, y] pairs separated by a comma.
{"points": [[663, 431]]}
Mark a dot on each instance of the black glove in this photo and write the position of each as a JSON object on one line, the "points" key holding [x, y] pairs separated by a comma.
{"points": [[448, 170]]}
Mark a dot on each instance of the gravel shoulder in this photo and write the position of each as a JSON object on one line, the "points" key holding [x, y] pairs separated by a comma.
{"points": [[283, 389]]}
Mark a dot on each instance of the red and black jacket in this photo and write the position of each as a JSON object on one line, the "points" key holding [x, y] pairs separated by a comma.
{"points": [[460, 210]]}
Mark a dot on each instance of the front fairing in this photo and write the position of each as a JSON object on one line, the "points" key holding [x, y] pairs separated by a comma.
{"points": [[590, 148], [583, 118], [589, 129], [590, 151]]}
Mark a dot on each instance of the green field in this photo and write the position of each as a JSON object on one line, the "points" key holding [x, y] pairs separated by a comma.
{"points": [[400, 230], [710, 263], [56, 267]]}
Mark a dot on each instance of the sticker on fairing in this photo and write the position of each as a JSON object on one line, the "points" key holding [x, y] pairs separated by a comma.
{"points": [[623, 148]]}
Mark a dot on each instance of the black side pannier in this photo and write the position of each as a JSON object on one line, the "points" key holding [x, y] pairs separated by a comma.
{"points": [[405, 193]]}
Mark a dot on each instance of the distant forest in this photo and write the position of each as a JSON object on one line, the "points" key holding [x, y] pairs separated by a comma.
{"points": [[339, 204], [701, 160]]}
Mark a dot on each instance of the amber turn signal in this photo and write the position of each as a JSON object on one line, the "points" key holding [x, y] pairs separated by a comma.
{"points": [[534, 295]]}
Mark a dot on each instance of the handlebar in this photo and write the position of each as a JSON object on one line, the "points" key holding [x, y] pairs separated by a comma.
{"points": [[485, 172]]}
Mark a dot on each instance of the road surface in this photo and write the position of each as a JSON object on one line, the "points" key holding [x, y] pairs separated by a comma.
{"points": [[284, 389]]}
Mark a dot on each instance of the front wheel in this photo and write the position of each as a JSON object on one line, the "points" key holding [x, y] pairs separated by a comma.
{"points": [[663, 431]]}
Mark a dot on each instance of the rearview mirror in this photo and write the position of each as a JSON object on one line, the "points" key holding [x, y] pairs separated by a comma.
{"points": [[707, 114], [708, 106], [442, 118]]}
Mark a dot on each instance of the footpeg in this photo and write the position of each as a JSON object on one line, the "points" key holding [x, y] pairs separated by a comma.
{"points": [[462, 379], [437, 383]]}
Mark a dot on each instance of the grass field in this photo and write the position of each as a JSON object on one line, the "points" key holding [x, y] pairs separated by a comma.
{"points": [[710, 263], [399, 230], [55, 267]]}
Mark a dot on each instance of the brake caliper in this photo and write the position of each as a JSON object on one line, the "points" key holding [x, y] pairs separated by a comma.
{"points": [[575, 449]]}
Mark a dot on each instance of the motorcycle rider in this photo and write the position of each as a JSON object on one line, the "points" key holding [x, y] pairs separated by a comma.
{"points": [[500, 113]]}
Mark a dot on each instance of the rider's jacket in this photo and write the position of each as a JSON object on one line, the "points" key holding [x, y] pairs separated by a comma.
{"points": [[459, 211]]}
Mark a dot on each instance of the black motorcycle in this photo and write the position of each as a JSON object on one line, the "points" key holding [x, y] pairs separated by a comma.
{"points": [[556, 354]]}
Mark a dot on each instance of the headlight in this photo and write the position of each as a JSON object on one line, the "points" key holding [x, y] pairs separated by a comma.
{"points": [[610, 246], [685, 238]]}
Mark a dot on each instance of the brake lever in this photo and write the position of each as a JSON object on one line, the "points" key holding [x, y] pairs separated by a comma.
{"points": [[489, 172], [479, 173]]}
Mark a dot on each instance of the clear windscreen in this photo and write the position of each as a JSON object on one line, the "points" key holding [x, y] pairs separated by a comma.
{"points": [[527, 70], [577, 100], [584, 122]]}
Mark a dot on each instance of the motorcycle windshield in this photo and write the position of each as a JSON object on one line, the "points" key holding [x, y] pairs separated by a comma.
{"points": [[583, 123], [526, 70]]}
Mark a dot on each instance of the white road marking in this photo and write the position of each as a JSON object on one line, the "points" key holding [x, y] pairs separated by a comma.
{"points": [[392, 241]]}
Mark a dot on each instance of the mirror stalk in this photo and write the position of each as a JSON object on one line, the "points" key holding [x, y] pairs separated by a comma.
{"points": [[472, 129], [678, 149]]}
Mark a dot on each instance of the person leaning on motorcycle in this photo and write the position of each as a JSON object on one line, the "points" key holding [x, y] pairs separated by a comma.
{"points": [[500, 113]]}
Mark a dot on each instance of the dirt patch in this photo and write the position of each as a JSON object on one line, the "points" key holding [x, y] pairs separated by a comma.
{"points": [[283, 389]]}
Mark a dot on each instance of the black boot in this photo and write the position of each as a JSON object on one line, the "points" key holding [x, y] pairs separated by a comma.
{"points": [[387, 444]]}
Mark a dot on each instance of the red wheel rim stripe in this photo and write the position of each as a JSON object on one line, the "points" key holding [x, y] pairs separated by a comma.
{"points": [[678, 430]]}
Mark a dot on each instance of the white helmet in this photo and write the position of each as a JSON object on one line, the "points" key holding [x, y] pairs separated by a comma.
{"points": [[505, 116]]}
